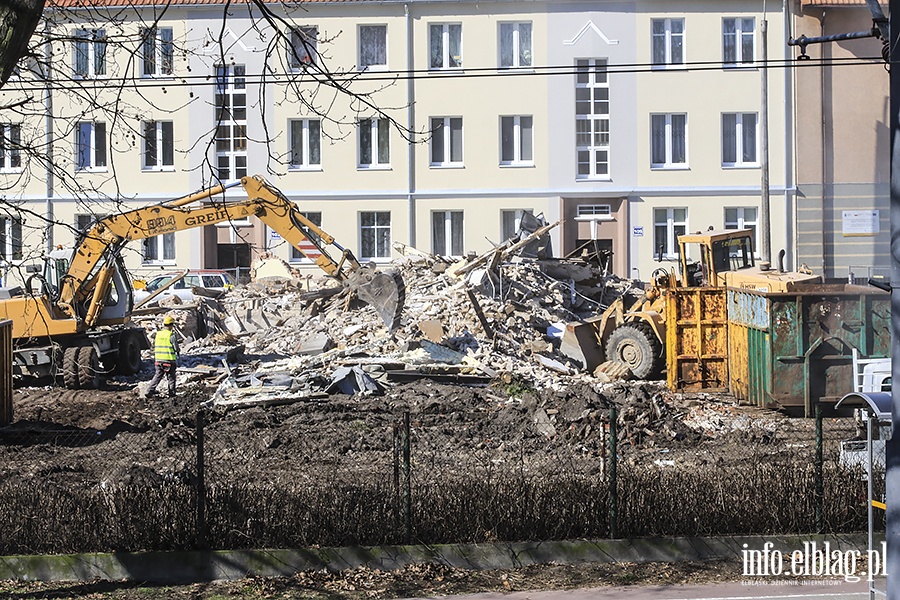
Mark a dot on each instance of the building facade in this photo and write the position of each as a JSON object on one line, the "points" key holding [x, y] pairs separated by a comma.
{"points": [[631, 122], [843, 221]]}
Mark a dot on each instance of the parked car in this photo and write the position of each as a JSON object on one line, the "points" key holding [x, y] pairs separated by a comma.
{"points": [[209, 279]]}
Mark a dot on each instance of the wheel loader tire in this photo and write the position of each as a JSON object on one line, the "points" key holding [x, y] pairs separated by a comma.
{"points": [[637, 346], [90, 372], [70, 368], [128, 361]]}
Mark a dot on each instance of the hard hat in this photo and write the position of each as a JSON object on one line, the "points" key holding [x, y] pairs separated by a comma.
{"points": [[168, 320]]}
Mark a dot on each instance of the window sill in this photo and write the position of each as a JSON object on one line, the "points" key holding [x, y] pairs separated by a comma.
{"points": [[373, 167], [373, 69], [158, 263], [528, 69], [588, 218], [92, 170], [746, 166], [743, 66], [158, 169], [668, 67], [670, 168], [11, 171], [594, 178], [445, 70], [447, 166], [297, 169], [158, 77], [521, 165], [377, 261]]}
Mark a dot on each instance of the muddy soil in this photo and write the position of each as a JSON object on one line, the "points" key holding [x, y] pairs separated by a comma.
{"points": [[93, 435]]}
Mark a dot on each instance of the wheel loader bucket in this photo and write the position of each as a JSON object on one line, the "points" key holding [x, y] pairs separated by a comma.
{"points": [[385, 291], [581, 344]]}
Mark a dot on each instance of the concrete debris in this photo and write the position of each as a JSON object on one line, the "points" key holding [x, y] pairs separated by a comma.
{"points": [[497, 317]]}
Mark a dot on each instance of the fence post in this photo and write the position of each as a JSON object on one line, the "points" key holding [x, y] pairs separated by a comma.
{"points": [[395, 430], [6, 373], [201, 483], [407, 480], [613, 493], [820, 483]]}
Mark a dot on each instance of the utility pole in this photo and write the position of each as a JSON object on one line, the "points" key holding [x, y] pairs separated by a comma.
{"points": [[892, 447], [765, 250]]}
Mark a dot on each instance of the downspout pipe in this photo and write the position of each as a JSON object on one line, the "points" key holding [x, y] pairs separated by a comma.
{"points": [[410, 128], [790, 219], [48, 135]]}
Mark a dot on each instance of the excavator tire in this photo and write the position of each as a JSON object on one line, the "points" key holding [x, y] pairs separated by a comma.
{"points": [[637, 346], [89, 370], [70, 368], [128, 361]]}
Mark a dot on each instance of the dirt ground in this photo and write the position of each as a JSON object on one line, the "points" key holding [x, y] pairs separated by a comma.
{"points": [[655, 425]]}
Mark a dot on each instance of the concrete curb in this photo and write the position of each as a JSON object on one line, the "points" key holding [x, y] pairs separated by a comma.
{"points": [[198, 566]]}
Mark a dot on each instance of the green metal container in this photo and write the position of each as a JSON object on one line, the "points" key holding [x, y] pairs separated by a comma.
{"points": [[793, 350]]}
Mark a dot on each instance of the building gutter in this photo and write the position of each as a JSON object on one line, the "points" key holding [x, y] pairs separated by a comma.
{"points": [[48, 134], [411, 129]]}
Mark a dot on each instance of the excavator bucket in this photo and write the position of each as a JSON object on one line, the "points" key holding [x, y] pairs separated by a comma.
{"points": [[384, 291]]}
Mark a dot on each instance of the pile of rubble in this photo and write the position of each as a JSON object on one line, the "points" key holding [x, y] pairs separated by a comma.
{"points": [[499, 316]]}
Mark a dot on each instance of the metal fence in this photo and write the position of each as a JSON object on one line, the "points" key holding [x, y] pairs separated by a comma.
{"points": [[406, 478]]}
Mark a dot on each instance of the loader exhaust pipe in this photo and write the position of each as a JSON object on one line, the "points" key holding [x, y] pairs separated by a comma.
{"points": [[781, 254]]}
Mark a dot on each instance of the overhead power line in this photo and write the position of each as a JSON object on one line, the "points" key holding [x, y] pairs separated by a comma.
{"points": [[312, 76]]}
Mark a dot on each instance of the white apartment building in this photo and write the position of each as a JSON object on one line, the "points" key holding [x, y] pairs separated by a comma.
{"points": [[631, 122]]}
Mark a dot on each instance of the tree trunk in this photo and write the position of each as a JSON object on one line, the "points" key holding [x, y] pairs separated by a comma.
{"points": [[18, 19]]}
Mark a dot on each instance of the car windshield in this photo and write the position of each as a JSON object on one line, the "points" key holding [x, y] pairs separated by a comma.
{"points": [[158, 282]]}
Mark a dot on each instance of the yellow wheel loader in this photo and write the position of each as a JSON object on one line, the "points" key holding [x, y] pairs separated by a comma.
{"points": [[633, 332], [76, 327]]}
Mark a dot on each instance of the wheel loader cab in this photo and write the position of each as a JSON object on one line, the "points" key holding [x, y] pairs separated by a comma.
{"points": [[707, 257]]}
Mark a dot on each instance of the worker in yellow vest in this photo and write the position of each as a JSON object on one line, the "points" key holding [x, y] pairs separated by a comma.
{"points": [[165, 357]]}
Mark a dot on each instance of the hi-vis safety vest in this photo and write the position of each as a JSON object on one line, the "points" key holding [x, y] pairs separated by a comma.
{"points": [[163, 350]]}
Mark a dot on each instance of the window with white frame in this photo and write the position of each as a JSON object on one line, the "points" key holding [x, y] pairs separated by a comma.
{"points": [[231, 122], [303, 47], [594, 210], [372, 47], [510, 220], [668, 224], [306, 144], [157, 52], [84, 222], [446, 141], [309, 250], [375, 235], [10, 238], [592, 118], [159, 145], [159, 249], [742, 217], [516, 140], [90, 53], [668, 141], [739, 140], [667, 39], [90, 146], [10, 146], [515, 45], [738, 40], [447, 232], [374, 143], [445, 45]]}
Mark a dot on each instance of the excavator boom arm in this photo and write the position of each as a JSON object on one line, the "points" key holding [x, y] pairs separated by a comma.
{"points": [[107, 237]]}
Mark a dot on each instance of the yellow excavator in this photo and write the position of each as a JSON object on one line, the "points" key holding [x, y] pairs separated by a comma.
{"points": [[76, 327]]}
